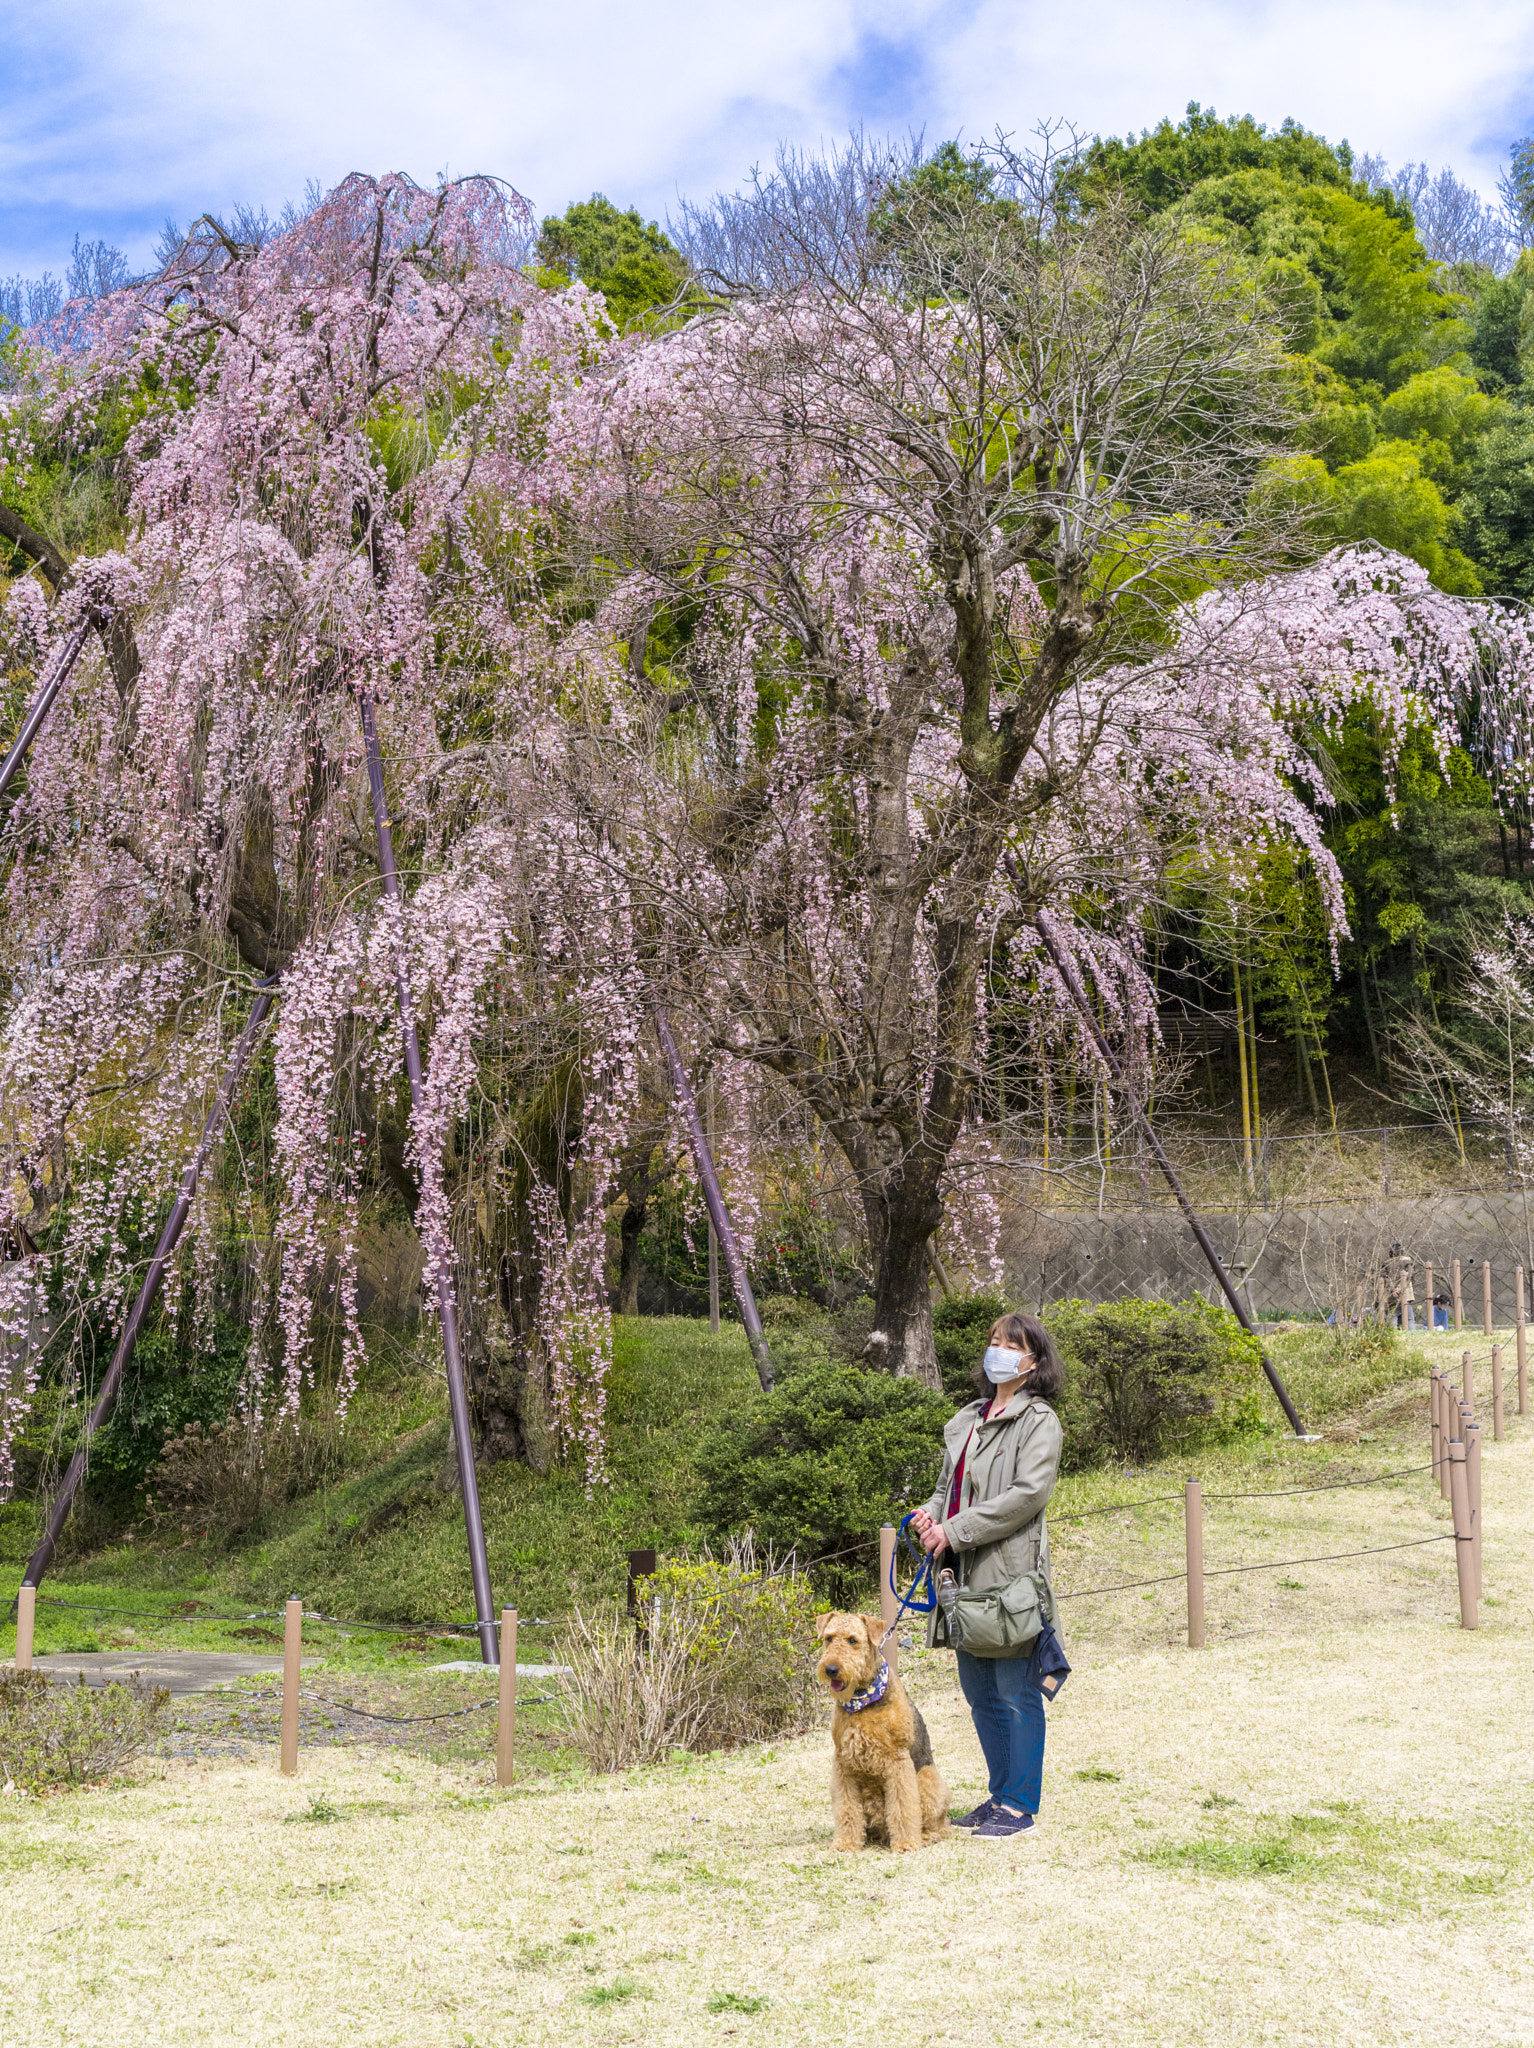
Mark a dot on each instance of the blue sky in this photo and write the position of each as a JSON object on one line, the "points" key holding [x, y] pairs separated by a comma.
{"points": [[113, 116]]}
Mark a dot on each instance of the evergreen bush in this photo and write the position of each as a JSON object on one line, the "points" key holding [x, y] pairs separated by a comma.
{"points": [[818, 1464], [960, 1325], [1144, 1378]]}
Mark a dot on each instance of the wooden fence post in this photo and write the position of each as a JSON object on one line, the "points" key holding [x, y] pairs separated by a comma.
{"points": [[506, 1705], [889, 1601], [1523, 1351], [641, 1566], [1486, 1297], [1193, 1522], [1445, 1433], [1496, 1392], [26, 1623], [1473, 1488], [1459, 1299], [292, 1651], [1464, 1562]]}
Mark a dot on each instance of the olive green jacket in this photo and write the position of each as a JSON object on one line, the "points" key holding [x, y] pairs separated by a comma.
{"points": [[999, 1531]]}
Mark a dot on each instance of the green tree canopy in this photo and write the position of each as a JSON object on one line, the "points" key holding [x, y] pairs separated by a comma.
{"points": [[631, 262]]}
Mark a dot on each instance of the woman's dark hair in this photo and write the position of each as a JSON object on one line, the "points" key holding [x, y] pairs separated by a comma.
{"points": [[1024, 1333]]}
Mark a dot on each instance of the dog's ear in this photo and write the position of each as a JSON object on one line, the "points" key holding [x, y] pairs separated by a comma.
{"points": [[874, 1623], [820, 1623]]}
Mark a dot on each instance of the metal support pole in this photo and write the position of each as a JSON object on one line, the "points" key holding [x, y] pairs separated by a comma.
{"points": [[713, 1195], [1464, 1562], [1496, 1392], [175, 1223], [26, 1623], [1486, 1297], [1193, 1531], [889, 1604], [42, 703], [447, 1307], [1459, 1299], [1077, 994], [506, 1704], [292, 1654], [713, 1235]]}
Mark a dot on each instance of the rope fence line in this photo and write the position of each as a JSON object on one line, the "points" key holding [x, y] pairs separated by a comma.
{"points": [[170, 1614], [405, 1720]]}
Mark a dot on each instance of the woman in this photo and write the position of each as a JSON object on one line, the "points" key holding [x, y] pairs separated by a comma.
{"points": [[1001, 1458]]}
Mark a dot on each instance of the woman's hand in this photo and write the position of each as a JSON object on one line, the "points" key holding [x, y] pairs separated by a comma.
{"points": [[933, 1541]]}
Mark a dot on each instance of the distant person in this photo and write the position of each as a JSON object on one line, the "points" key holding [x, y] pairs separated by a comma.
{"points": [[1398, 1279]]}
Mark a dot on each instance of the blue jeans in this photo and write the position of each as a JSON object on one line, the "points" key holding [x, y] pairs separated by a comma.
{"points": [[1008, 1711]]}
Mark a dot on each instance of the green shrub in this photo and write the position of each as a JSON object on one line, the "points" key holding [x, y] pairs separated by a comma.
{"points": [[1144, 1378], [754, 1648], [960, 1325], [815, 1466], [53, 1734]]}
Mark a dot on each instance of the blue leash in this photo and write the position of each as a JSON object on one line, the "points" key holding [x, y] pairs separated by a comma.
{"points": [[908, 1601]]}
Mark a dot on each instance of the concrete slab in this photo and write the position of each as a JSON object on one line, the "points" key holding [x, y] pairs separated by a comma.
{"points": [[523, 1670], [180, 1671]]}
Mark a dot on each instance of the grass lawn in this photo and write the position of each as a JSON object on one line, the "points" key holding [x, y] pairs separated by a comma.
{"points": [[1319, 1830]]}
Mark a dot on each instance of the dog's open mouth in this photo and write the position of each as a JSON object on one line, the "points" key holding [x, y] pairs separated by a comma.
{"points": [[837, 1684]]}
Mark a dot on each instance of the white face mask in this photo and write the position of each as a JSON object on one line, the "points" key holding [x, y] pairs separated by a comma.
{"points": [[1000, 1366]]}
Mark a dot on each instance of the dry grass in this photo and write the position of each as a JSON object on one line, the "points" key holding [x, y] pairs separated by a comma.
{"points": [[1319, 1831]]}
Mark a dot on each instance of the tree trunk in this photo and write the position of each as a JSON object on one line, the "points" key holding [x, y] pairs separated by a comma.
{"points": [[629, 1263], [902, 1218]]}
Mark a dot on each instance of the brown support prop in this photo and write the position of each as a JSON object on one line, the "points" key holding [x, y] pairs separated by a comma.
{"points": [[1067, 974], [1432, 1420], [889, 1600], [506, 1704], [1193, 1531], [1473, 1487], [1496, 1392], [713, 1235], [713, 1196], [292, 1653], [1486, 1297], [1459, 1299], [1467, 1370], [1523, 1351], [1464, 1561], [26, 1622], [1427, 1288], [42, 703], [175, 1223], [447, 1306]]}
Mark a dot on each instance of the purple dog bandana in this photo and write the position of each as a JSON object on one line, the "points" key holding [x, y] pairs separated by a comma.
{"points": [[872, 1695]]}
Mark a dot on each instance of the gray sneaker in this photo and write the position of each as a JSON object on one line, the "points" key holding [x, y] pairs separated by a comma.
{"points": [[1003, 1826], [979, 1817]]}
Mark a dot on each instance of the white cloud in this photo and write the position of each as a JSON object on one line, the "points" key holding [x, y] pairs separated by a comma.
{"points": [[113, 115]]}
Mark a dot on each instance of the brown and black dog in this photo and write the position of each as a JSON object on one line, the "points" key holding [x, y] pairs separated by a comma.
{"points": [[884, 1785]]}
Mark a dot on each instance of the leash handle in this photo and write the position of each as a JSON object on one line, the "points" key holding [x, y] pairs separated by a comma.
{"points": [[908, 1601]]}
